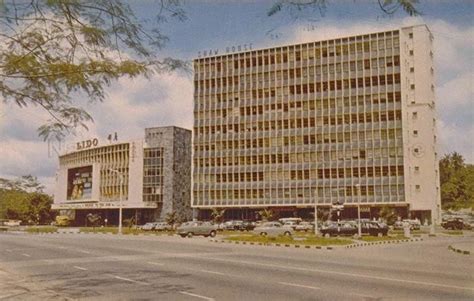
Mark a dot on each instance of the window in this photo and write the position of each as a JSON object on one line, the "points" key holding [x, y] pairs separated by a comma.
{"points": [[412, 86], [417, 169], [418, 187], [415, 133], [410, 35], [412, 69], [411, 52], [414, 115]]}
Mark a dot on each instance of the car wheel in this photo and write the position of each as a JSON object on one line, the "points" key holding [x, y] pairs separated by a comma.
{"points": [[183, 235], [190, 234], [287, 233], [212, 234], [327, 235]]}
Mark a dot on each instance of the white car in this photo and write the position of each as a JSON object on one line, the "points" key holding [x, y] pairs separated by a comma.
{"points": [[273, 229]]}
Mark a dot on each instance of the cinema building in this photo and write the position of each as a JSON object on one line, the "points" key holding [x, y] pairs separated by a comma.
{"points": [[152, 174], [349, 120]]}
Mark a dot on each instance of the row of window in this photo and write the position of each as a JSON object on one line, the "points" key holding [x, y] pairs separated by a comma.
{"points": [[368, 100], [300, 123], [295, 140], [272, 195], [313, 157], [309, 51], [302, 72], [307, 174]]}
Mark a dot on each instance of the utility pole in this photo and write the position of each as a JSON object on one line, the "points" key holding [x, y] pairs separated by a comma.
{"points": [[359, 230], [121, 196]]}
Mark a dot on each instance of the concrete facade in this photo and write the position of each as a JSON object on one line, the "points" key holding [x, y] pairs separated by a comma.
{"points": [[156, 175], [349, 120]]}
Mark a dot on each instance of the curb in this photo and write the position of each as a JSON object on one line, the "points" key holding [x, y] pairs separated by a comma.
{"points": [[382, 242], [464, 252], [296, 246]]}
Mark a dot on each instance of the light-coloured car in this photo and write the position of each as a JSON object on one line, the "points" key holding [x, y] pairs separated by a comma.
{"points": [[305, 226], [290, 224], [189, 229], [162, 227], [273, 229], [148, 226]]}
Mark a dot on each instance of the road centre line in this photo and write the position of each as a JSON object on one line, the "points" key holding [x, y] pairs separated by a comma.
{"points": [[130, 280], [343, 274], [197, 296], [300, 285], [212, 272], [79, 268], [26, 255]]}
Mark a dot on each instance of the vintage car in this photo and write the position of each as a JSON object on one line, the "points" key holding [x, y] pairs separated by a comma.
{"points": [[189, 229]]}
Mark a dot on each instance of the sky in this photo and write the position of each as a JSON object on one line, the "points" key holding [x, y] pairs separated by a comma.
{"points": [[167, 99]]}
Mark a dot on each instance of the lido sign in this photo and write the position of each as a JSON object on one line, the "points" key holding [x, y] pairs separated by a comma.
{"points": [[87, 144]]}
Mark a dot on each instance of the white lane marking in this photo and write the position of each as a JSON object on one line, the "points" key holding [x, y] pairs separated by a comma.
{"points": [[344, 274], [8, 250], [84, 251], [130, 280], [155, 263], [79, 268], [365, 296], [211, 272], [26, 255], [300, 285], [197, 296]]}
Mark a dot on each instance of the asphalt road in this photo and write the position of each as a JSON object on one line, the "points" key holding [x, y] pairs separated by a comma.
{"points": [[110, 267]]}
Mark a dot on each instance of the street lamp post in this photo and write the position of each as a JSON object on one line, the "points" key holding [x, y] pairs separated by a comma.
{"points": [[359, 230], [120, 198], [316, 219]]}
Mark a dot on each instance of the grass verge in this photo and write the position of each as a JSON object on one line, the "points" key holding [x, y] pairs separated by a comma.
{"points": [[310, 240], [382, 238]]}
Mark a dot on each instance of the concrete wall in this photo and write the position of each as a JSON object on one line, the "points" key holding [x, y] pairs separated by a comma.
{"points": [[422, 190]]}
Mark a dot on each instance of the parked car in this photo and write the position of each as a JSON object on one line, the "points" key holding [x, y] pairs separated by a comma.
{"points": [[247, 226], [272, 229], [290, 224], [189, 229], [148, 226], [374, 228], [454, 224], [162, 227], [414, 224], [305, 226], [342, 228], [233, 225]]}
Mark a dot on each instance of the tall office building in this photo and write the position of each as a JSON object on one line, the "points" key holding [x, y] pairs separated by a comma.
{"points": [[349, 120]]}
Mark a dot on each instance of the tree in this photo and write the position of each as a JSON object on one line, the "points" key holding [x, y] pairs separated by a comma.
{"points": [[51, 51], [266, 214], [31, 208], [171, 218], [295, 7], [217, 214], [456, 180], [388, 214], [26, 183]]}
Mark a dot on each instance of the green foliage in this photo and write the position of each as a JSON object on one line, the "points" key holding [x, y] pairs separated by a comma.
{"points": [[53, 50], [267, 214], [388, 214], [171, 218], [296, 7], [217, 215], [457, 182]]}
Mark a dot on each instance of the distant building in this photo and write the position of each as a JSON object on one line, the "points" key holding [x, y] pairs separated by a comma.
{"points": [[156, 175], [348, 120]]}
